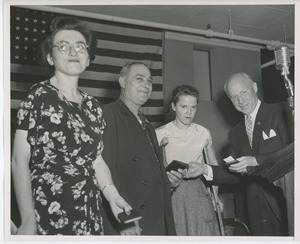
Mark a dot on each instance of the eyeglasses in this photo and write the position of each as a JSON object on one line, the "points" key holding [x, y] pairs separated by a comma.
{"points": [[64, 47]]}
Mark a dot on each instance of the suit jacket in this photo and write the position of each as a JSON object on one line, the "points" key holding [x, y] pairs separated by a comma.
{"points": [[270, 119], [223, 176], [139, 177], [265, 202]]}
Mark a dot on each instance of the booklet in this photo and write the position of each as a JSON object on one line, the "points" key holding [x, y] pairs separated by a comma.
{"points": [[230, 160]]}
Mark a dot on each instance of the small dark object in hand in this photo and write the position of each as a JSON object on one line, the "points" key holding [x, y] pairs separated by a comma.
{"points": [[176, 165]]}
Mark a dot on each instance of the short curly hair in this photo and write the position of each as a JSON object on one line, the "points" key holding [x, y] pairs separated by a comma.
{"points": [[66, 23]]}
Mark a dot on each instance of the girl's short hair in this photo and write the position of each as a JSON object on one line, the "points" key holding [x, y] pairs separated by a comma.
{"points": [[180, 91]]}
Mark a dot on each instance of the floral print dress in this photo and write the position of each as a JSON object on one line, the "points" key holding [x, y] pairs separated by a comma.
{"points": [[65, 140]]}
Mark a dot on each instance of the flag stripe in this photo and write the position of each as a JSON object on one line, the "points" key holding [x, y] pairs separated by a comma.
{"points": [[119, 62], [128, 55], [132, 30], [109, 84], [116, 69], [92, 75], [128, 47], [24, 87], [127, 39]]}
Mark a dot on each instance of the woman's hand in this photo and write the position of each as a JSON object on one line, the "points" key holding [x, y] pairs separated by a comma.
{"points": [[27, 228], [110, 192], [131, 229], [175, 178], [119, 205]]}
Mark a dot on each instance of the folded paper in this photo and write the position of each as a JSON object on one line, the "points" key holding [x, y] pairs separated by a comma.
{"points": [[265, 135], [272, 133]]}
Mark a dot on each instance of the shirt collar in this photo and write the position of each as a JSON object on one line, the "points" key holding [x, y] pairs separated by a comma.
{"points": [[254, 113]]}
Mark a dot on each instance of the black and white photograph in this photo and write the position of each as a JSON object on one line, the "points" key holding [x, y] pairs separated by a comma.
{"points": [[139, 121]]}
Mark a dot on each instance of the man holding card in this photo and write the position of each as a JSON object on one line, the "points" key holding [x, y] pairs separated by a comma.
{"points": [[263, 131], [134, 157]]}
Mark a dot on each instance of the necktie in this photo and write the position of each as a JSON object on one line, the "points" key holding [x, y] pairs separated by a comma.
{"points": [[249, 128], [146, 128], [143, 119]]}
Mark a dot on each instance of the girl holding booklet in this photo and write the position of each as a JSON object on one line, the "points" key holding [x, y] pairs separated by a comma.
{"points": [[185, 141]]}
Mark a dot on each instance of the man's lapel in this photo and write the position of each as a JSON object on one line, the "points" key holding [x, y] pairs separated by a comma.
{"points": [[257, 130], [139, 137]]}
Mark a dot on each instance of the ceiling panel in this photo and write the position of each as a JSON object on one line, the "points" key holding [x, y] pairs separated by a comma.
{"points": [[199, 23], [289, 8], [287, 21], [187, 10], [260, 16], [130, 12], [253, 32], [166, 17], [256, 21], [221, 11]]}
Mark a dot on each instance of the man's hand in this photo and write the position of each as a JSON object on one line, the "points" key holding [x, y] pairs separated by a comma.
{"points": [[243, 163], [175, 178], [195, 169]]}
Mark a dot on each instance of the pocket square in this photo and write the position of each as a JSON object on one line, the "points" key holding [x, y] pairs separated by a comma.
{"points": [[272, 133], [265, 135]]}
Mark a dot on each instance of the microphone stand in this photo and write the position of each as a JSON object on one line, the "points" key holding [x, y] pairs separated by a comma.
{"points": [[282, 59], [288, 87], [290, 91]]}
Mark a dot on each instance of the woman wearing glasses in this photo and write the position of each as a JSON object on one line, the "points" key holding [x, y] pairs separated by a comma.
{"points": [[57, 167]]}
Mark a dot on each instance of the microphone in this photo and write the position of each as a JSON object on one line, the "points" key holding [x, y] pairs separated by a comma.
{"points": [[283, 61]]}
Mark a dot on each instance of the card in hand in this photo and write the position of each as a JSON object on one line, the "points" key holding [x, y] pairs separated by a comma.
{"points": [[176, 165], [230, 160], [134, 215]]}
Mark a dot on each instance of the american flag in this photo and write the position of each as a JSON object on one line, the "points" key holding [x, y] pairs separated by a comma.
{"points": [[116, 44]]}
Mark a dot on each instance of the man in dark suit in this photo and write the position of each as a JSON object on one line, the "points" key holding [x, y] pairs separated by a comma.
{"points": [[263, 131], [134, 158]]}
